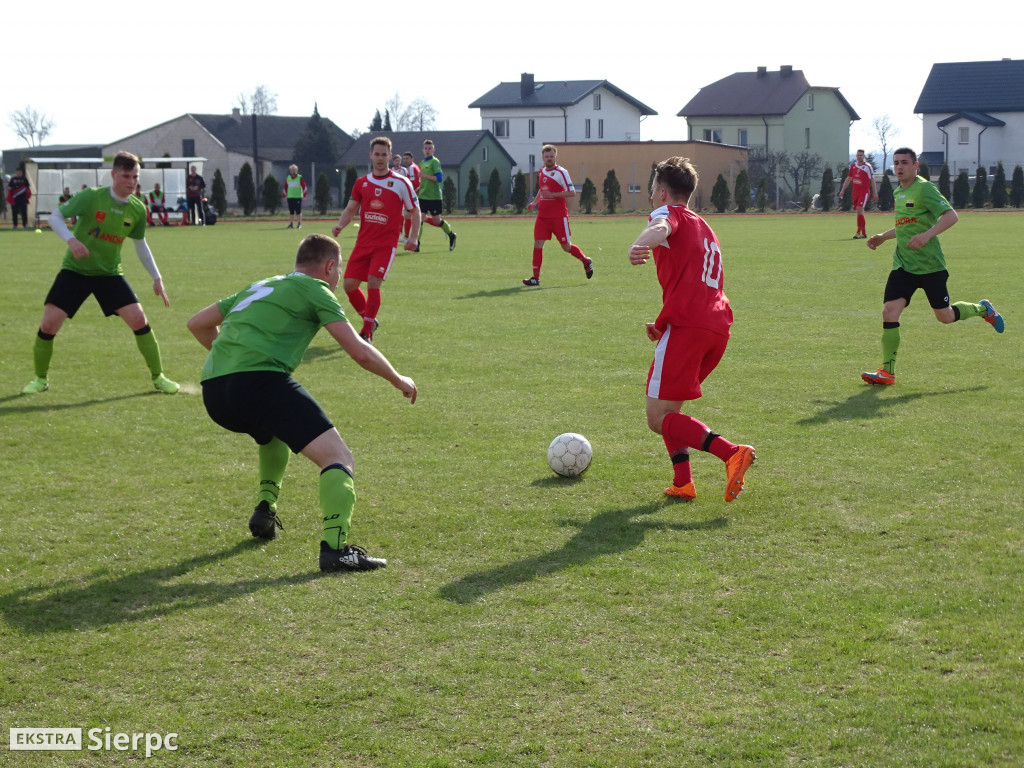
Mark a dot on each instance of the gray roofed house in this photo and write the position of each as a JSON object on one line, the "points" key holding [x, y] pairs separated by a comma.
{"points": [[973, 115], [458, 151], [773, 112], [527, 114], [227, 143]]}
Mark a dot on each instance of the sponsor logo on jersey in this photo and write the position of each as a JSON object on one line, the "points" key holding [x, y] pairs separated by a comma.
{"points": [[100, 215], [376, 218], [378, 204], [127, 223], [906, 220]]}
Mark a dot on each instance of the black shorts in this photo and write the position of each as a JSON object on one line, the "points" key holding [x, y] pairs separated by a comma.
{"points": [[265, 405], [294, 205], [70, 290], [430, 207], [902, 284]]}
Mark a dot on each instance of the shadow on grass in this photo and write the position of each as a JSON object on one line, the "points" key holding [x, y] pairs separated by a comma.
{"points": [[315, 353], [608, 533], [516, 289], [34, 403], [871, 402], [137, 596]]}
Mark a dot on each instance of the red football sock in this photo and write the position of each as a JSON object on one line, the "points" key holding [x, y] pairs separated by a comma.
{"points": [[575, 251], [862, 224], [372, 305], [681, 470], [358, 300], [538, 259], [722, 448]]}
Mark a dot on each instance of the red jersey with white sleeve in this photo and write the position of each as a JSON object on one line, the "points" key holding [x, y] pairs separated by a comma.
{"points": [[861, 173], [382, 200], [413, 172], [689, 266], [554, 180]]}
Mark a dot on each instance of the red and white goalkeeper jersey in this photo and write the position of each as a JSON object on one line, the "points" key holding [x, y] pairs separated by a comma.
{"points": [[689, 266], [861, 173], [382, 201], [554, 180]]}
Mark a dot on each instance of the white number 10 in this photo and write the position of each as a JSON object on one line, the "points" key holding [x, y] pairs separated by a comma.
{"points": [[712, 276]]}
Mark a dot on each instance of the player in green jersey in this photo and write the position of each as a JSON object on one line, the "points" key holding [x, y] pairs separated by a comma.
{"points": [[92, 267], [429, 193], [256, 340], [922, 213]]}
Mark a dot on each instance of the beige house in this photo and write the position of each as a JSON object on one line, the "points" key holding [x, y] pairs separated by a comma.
{"points": [[632, 162]]}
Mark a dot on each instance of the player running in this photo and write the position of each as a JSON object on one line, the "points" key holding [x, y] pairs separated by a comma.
{"points": [[692, 329], [256, 340], [922, 213], [862, 176], [553, 189], [92, 267], [379, 199], [431, 176]]}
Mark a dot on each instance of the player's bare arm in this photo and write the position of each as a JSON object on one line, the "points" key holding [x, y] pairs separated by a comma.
{"points": [[350, 212], [413, 240], [657, 232], [876, 240], [159, 290], [946, 220], [370, 358], [205, 325]]}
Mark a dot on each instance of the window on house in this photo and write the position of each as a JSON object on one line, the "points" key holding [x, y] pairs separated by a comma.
{"points": [[500, 128], [188, 147], [597, 101], [741, 137], [807, 138], [533, 162], [485, 154], [235, 187], [532, 129], [965, 135], [635, 189], [713, 134], [810, 101], [586, 129], [600, 129]]}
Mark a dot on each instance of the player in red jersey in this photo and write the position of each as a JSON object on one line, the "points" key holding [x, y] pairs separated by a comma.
{"points": [[554, 187], [692, 329], [380, 199], [862, 176], [413, 172]]}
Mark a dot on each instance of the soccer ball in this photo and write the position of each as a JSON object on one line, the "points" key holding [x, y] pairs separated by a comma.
{"points": [[569, 454]]}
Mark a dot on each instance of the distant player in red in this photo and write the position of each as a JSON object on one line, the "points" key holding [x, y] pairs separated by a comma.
{"points": [[413, 172], [380, 198], [554, 187], [862, 176], [692, 329]]}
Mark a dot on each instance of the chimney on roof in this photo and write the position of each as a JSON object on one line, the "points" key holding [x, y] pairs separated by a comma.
{"points": [[786, 70], [526, 85], [236, 113], [762, 71]]}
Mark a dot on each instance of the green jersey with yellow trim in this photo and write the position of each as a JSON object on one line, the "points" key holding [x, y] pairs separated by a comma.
{"points": [[918, 207], [429, 189], [103, 224], [268, 326]]}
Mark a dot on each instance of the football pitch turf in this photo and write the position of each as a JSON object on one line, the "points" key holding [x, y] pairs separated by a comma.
{"points": [[860, 603]]}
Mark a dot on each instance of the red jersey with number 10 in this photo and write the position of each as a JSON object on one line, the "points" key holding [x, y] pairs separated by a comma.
{"points": [[689, 266], [382, 201]]}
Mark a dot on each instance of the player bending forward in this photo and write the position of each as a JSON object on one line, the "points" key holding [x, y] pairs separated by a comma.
{"points": [[256, 340], [692, 329]]}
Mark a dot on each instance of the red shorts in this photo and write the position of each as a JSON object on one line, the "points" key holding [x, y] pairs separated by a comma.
{"points": [[861, 195], [373, 261], [546, 228], [683, 358]]}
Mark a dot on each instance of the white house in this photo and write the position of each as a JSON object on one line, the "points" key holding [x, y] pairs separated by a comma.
{"points": [[525, 115], [973, 115]]}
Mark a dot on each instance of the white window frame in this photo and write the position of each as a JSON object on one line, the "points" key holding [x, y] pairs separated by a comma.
{"points": [[597, 101], [600, 129], [500, 128], [713, 135], [810, 102], [485, 154], [964, 134], [532, 128], [741, 136], [586, 128]]}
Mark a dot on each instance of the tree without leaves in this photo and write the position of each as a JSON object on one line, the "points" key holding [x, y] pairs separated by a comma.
{"points": [[31, 126], [271, 194], [219, 193], [260, 102], [720, 194], [741, 191], [885, 131], [418, 115], [494, 186], [999, 187], [246, 190], [801, 168], [612, 191], [322, 194]]}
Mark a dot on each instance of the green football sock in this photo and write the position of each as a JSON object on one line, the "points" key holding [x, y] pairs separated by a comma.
{"points": [[890, 345], [145, 339], [446, 227], [966, 309], [337, 500], [273, 462], [42, 351]]}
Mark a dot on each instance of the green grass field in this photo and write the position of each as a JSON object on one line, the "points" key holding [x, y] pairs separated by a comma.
{"points": [[860, 604]]}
